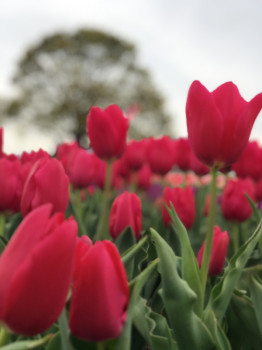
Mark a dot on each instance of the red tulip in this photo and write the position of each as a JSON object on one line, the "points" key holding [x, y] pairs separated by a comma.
{"points": [[66, 153], [219, 123], [183, 202], [234, 204], [258, 190], [250, 162], [144, 176], [160, 154], [100, 294], [47, 182], [82, 171], [182, 153], [36, 271], [10, 185], [218, 254], [126, 211], [134, 155], [107, 131]]}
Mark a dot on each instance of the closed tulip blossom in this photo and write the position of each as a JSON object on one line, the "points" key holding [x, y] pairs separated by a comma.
{"points": [[107, 131], [250, 162], [47, 182], [10, 185], [125, 212], [36, 271], [135, 154], [83, 171], [100, 294], [183, 202], [234, 204], [218, 254], [219, 123], [160, 154]]}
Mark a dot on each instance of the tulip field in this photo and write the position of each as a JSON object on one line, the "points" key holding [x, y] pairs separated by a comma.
{"points": [[151, 244]]}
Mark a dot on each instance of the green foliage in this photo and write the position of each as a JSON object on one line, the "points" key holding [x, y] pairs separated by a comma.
{"points": [[179, 300]]}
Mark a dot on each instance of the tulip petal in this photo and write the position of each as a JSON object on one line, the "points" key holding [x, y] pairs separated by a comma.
{"points": [[100, 294], [204, 123], [39, 287]]}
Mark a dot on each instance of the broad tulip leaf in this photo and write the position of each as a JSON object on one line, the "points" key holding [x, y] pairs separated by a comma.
{"points": [[179, 301], [222, 292], [222, 342], [255, 287], [125, 240], [242, 326], [153, 327], [189, 266], [124, 341], [64, 331], [254, 208], [55, 343], [27, 344]]}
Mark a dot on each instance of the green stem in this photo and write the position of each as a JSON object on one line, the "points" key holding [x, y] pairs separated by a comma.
{"points": [[210, 231], [102, 231], [2, 224], [100, 345], [4, 336], [64, 332], [235, 237]]}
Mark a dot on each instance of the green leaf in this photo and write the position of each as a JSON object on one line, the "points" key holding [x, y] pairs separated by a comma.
{"points": [[153, 327], [222, 292], [27, 344], [125, 240], [254, 207], [64, 331], [255, 288], [242, 327], [222, 342], [190, 270], [55, 343], [179, 301], [124, 341]]}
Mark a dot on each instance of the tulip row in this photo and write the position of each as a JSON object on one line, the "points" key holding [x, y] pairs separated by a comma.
{"points": [[136, 244]]}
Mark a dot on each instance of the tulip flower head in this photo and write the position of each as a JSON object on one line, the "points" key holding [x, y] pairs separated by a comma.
{"points": [[218, 254], [160, 154], [36, 271], [126, 211], [100, 294], [219, 123], [183, 202], [107, 131], [234, 203], [47, 182]]}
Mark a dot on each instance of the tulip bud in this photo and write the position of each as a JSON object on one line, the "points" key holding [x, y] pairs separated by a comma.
{"points": [[126, 211], [10, 185], [183, 202], [107, 131], [36, 271], [134, 155], [47, 182], [219, 123], [160, 154], [100, 294], [218, 254], [234, 203], [250, 162]]}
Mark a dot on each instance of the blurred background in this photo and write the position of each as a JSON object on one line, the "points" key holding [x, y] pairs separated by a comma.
{"points": [[59, 58]]}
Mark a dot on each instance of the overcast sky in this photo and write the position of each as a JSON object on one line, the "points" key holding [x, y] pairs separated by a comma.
{"points": [[179, 41]]}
